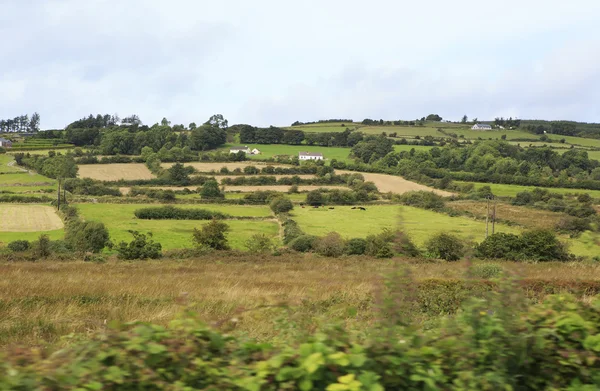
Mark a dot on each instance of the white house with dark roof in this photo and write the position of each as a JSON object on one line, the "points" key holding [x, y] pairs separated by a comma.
{"points": [[243, 148], [310, 156], [481, 127], [4, 143]]}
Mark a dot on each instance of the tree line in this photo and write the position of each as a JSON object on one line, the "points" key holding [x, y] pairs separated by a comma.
{"points": [[21, 123]]}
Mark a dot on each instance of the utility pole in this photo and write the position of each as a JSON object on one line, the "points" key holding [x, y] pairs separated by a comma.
{"points": [[58, 198], [494, 218], [487, 217]]}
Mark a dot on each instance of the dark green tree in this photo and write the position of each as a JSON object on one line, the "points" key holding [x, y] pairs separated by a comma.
{"points": [[212, 235]]}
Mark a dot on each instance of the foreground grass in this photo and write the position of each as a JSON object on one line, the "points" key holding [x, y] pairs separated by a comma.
{"points": [[41, 302], [174, 234]]}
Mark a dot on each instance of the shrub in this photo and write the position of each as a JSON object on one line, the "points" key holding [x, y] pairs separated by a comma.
{"points": [[261, 197], [141, 247], [87, 236], [380, 245], [293, 189], [281, 205], [260, 243], [422, 199], [499, 245], [173, 213], [445, 246], [42, 246], [303, 243], [330, 245], [291, 231], [212, 236], [19, 246], [356, 246], [315, 198], [543, 245], [522, 198], [573, 225], [486, 270], [210, 190]]}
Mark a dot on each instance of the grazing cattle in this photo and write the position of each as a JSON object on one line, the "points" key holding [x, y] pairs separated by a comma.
{"points": [[354, 207], [331, 207], [361, 208], [302, 206], [316, 206]]}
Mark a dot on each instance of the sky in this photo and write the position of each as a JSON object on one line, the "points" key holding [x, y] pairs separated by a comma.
{"points": [[272, 62]]}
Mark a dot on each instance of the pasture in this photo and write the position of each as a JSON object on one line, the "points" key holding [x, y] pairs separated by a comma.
{"points": [[115, 171], [407, 148], [502, 190], [174, 234], [5, 160], [42, 301], [25, 179], [395, 184]]}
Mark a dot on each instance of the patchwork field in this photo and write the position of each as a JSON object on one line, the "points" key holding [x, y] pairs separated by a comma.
{"points": [[173, 234], [395, 184], [7, 164], [28, 218], [502, 190], [26, 179], [215, 167], [114, 172]]}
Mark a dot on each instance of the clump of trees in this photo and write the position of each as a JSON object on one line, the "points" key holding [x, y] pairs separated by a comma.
{"points": [[141, 247], [21, 123], [538, 245], [212, 235], [173, 213]]}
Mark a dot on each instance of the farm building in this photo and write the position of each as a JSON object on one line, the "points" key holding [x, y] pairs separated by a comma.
{"points": [[255, 151], [244, 149], [481, 127], [5, 143], [310, 156]]}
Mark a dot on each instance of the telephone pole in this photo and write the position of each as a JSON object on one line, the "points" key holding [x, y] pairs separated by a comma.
{"points": [[487, 218], [494, 218], [58, 198]]}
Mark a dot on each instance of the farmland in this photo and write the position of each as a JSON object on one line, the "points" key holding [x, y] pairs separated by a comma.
{"points": [[5, 160], [269, 151], [504, 190], [215, 167], [395, 184], [114, 172], [28, 218], [27, 179]]}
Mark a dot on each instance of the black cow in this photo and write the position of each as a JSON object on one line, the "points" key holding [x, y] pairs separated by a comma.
{"points": [[331, 207], [361, 208], [354, 207]]}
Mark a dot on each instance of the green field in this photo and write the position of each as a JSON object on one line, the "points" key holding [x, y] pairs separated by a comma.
{"points": [[27, 189], [24, 178], [268, 151], [407, 148], [4, 167], [7, 237], [173, 234], [502, 190]]}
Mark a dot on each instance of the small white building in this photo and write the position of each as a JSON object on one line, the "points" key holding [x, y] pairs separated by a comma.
{"points": [[481, 127], [4, 143], [310, 156], [243, 148], [255, 151]]}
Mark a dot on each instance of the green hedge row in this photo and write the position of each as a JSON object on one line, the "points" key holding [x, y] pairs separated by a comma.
{"points": [[172, 213]]}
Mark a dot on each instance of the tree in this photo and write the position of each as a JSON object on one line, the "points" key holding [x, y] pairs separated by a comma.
{"points": [[445, 246], [217, 121], [210, 190], [132, 120], [372, 148], [212, 235], [180, 174], [192, 126], [464, 119], [84, 236], [165, 122], [433, 117], [42, 246], [207, 137], [141, 247], [34, 123], [315, 198], [281, 205]]}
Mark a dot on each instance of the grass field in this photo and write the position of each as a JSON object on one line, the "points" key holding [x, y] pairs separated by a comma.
{"points": [[114, 172], [407, 148], [502, 190], [4, 161], [173, 234], [25, 179], [28, 189], [44, 301]]}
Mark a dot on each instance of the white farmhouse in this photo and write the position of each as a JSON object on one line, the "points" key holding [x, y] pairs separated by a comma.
{"points": [[310, 156], [255, 151], [481, 127], [244, 149]]}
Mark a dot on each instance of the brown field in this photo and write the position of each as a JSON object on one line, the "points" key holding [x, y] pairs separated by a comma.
{"points": [[395, 184], [43, 301], [28, 218], [527, 217], [281, 188], [114, 172], [208, 167]]}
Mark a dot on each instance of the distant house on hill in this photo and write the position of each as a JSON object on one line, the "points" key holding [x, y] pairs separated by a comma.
{"points": [[481, 127], [244, 149], [255, 151], [310, 156], [5, 143]]}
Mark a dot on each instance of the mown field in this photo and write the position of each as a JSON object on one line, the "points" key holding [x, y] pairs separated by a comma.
{"points": [[45, 301], [115, 171], [502, 190], [174, 234]]}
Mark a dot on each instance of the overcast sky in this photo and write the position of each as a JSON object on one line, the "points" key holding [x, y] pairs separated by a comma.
{"points": [[269, 62]]}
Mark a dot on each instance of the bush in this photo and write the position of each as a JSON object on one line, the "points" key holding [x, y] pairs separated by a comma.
{"points": [[19, 246], [141, 247], [173, 213], [330, 245], [303, 243], [315, 198], [445, 246], [522, 198], [422, 199], [42, 246], [210, 190], [293, 189], [500, 246], [87, 236], [486, 270], [573, 225], [260, 243], [291, 231], [542, 245], [261, 197], [380, 245], [281, 205], [212, 236], [356, 246]]}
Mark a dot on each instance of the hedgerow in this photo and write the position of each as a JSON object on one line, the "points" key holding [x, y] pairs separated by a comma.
{"points": [[173, 213]]}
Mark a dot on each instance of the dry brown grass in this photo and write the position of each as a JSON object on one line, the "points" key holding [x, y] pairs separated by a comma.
{"points": [[208, 167], [395, 184], [45, 300], [527, 217], [280, 188], [220, 178], [28, 218], [115, 171]]}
